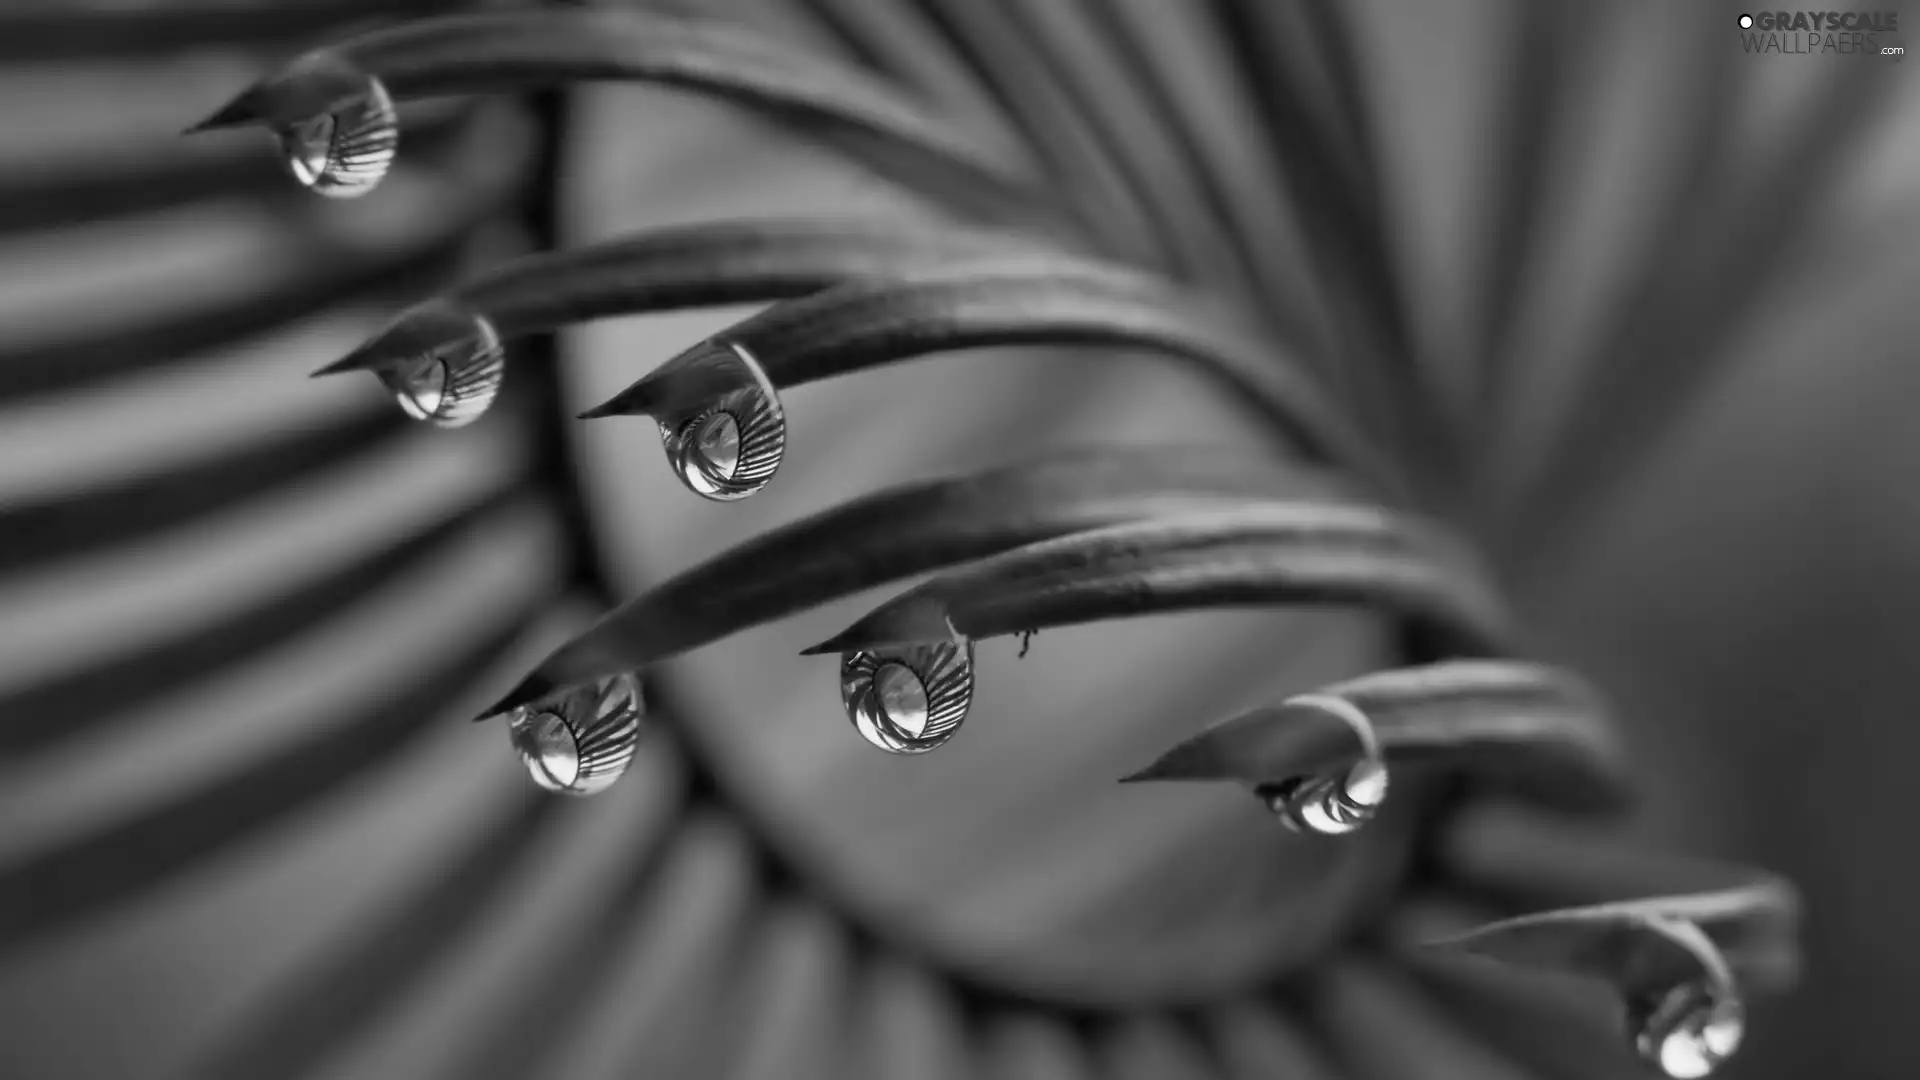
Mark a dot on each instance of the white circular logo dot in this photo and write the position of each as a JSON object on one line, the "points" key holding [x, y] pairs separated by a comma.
{"points": [[1746, 22]]}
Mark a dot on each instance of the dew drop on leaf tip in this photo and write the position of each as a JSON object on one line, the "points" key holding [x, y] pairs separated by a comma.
{"points": [[725, 446], [449, 365], [346, 151], [1330, 805], [584, 741], [1687, 1032], [909, 699]]}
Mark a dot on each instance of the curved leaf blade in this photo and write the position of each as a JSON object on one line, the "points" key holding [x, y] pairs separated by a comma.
{"points": [[1518, 860], [746, 260], [516, 50], [1627, 944], [1027, 300], [1537, 730], [892, 534], [1291, 553], [491, 159]]}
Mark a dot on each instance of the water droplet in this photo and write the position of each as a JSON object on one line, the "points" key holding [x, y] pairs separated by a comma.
{"points": [[344, 150], [449, 364], [910, 699], [419, 383], [1688, 1031], [717, 446], [1330, 805], [903, 696], [584, 741], [728, 445]]}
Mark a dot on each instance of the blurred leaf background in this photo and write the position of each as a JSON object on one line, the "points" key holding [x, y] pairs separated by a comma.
{"points": [[1743, 586]]}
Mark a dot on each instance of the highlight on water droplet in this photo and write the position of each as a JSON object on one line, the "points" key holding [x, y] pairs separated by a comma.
{"points": [[727, 442], [1687, 1031], [447, 363], [584, 741], [1344, 782], [1331, 805], [908, 699], [347, 143]]}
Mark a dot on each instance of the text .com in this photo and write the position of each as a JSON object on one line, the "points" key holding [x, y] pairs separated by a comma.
{"points": [[1856, 33]]}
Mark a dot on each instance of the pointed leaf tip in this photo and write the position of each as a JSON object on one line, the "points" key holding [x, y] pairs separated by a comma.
{"points": [[886, 626], [1199, 757], [357, 360], [528, 690], [233, 114], [598, 412], [1172, 765], [831, 645]]}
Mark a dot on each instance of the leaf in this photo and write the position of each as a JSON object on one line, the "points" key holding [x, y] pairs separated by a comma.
{"points": [[1070, 158], [1549, 1025], [1293, 553], [59, 190], [892, 534], [120, 861], [1667, 348], [1183, 60], [331, 277], [90, 698], [1336, 41], [1338, 206], [1258, 1038], [709, 263], [1382, 1025], [508, 51], [896, 41], [1033, 1043], [1153, 1046], [1528, 126], [48, 33], [70, 524], [910, 1022], [527, 1030], [1525, 727], [335, 992], [1116, 106], [1643, 946], [1027, 300], [1519, 859]]}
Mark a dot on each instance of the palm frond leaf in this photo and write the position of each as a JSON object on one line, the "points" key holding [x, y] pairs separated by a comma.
{"points": [[1204, 185]]}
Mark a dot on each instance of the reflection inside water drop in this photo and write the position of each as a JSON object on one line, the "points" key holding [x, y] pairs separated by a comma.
{"points": [[716, 446], [584, 741], [448, 364], [345, 151], [910, 699], [903, 697], [548, 749], [728, 445], [1330, 805], [307, 144], [420, 386], [1689, 1031]]}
